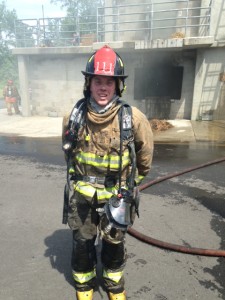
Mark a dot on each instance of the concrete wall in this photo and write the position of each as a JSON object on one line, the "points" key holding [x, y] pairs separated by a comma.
{"points": [[51, 84], [55, 82], [209, 64], [178, 108], [217, 24], [51, 79], [182, 109]]}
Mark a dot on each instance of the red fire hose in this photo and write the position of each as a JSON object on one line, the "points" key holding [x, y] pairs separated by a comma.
{"points": [[169, 246]]}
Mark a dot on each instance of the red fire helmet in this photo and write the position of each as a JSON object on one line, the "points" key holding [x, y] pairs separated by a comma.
{"points": [[105, 62]]}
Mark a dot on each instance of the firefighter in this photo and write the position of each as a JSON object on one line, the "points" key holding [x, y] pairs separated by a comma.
{"points": [[11, 96], [99, 164]]}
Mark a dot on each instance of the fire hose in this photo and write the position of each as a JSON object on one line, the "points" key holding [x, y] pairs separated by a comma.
{"points": [[169, 246]]}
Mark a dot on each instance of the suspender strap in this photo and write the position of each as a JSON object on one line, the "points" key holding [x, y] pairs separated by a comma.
{"points": [[126, 133], [77, 119]]}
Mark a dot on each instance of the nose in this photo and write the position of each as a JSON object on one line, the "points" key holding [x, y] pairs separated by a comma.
{"points": [[103, 86]]}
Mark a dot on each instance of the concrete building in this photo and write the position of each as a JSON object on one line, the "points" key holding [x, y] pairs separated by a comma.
{"points": [[174, 54]]}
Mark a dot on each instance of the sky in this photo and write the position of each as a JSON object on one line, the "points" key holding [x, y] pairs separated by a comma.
{"points": [[32, 9]]}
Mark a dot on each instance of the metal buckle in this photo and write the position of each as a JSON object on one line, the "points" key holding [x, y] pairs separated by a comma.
{"points": [[93, 179], [101, 180], [90, 179]]}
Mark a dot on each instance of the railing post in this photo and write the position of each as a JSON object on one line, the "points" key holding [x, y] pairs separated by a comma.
{"points": [[151, 21], [38, 32], [97, 37], [118, 23]]}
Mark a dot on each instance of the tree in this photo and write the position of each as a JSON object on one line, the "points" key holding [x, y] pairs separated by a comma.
{"points": [[78, 8], [81, 17], [8, 63], [7, 19]]}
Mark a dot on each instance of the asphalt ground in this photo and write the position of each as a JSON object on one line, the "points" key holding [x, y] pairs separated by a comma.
{"points": [[185, 210]]}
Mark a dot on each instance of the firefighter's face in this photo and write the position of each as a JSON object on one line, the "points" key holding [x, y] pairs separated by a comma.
{"points": [[102, 89]]}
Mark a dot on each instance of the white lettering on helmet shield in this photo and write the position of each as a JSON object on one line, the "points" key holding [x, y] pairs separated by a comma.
{"points": [[104, 64], [110, 68], [97, 66]]}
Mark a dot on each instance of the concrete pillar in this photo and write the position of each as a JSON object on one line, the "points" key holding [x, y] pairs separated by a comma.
{"points": [[24, 86], [198, 84]]}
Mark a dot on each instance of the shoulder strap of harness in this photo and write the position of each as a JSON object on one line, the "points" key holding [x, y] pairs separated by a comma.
{"points": [[126, 133], [77, 115], [77, 119]]}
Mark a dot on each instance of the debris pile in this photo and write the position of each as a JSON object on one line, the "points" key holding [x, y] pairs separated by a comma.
{"points": [[178, 35], [160, 125]]}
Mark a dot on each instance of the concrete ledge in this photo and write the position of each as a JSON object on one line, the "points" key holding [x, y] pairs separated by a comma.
{"points": [[180, 132], [71, 49], [115, 45], [209, 131], [34, 126], [52, 50], [191, 42], [198, 41]]}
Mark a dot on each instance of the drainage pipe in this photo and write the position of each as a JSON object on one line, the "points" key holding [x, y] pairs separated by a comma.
{"points": [[169, 246]]}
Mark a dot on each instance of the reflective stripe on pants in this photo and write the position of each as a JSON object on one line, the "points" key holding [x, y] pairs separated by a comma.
{"points": [[114, 276], [83, 277]]}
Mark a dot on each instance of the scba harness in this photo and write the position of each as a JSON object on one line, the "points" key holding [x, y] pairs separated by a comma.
{"points": [[120, 207], [9, 91]]}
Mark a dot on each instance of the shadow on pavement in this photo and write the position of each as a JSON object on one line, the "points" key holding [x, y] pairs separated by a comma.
{"points": [[59, 252]]}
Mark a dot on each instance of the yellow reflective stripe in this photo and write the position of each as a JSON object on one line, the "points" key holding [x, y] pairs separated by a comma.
{"points": [[71, 170], [89, 191], [120, 60], [139, 179], [84, 189], [106, 193], [114, 276], [90, 59], [83, 277], [105, 161]]}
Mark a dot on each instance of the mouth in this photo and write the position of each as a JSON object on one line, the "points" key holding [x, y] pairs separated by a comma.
{"points": [[103, 96]]}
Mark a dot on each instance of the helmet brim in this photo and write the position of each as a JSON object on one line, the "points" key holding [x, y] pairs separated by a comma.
{"points": [[91, 74]]}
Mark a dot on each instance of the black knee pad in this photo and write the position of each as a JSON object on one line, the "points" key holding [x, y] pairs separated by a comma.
{"points": [[113, 255], [83, 255]]}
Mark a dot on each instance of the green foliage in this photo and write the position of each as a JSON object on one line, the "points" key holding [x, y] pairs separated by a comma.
{"points": [[24, 34], [8, 63], [7, 19], [78, 8], [81, 17]]}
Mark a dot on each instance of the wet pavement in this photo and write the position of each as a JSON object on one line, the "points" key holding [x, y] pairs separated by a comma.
{"points": [[186, 210], [45, 150]]}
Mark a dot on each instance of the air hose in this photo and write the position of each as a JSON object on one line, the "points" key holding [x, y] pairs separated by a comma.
{"points": [[178, 248]]}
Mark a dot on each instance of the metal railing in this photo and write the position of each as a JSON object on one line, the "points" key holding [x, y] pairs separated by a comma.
{"points": [[156, 19]]}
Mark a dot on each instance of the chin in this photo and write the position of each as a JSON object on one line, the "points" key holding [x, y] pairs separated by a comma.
{"points": [[102, 102]]}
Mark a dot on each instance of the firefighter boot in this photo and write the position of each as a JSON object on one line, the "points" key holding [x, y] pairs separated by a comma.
{"points": [[120, 296], [86, 295]]}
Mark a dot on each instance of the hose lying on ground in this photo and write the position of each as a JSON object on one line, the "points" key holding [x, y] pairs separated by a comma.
{"points": [[169, 246]]}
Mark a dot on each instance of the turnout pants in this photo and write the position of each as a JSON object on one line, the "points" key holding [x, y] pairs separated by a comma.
{"points": [[85, 222], [11, 102]]}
